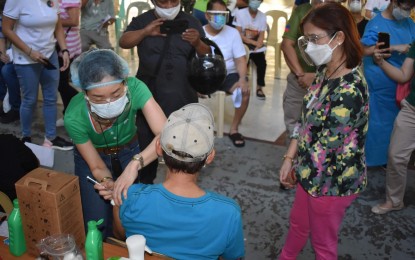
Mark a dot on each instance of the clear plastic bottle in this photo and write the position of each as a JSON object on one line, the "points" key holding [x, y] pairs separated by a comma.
{"points": [[93, 243], [17, 244]]}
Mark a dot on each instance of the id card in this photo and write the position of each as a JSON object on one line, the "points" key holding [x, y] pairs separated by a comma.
{"points": [[311, 102]]}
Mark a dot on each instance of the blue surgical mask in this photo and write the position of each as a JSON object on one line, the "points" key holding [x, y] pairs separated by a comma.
{"points": [[217, 21], [254, 4]]}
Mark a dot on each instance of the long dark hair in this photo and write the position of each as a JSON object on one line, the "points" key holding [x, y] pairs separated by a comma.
{"points": [[333, 17]]}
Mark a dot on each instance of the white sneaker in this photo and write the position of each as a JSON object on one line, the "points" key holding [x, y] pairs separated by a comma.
{"points": [[59, 122], [58, 143]]}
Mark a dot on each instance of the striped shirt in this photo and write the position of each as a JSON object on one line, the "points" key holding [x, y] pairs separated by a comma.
{"points": [[73, 39]]}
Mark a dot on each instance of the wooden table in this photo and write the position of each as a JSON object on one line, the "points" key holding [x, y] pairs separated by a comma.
{"points": [[109, 250]]}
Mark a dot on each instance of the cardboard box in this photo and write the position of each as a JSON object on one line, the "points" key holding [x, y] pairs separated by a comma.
{"points": [[50, 203]]}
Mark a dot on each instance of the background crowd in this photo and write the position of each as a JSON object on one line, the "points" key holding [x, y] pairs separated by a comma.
{"points": [[340, 107]]}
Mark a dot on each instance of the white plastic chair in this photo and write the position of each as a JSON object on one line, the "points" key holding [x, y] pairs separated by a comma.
{"points": [[273, 39]]}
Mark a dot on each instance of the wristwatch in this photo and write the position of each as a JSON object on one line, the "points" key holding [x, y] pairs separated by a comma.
{"points": [[65, 50], [140, 159]]}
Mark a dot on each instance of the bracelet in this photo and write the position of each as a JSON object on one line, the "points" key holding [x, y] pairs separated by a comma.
{"points": [[30, 52], [288, 157], [105, 178], [65, 50], [140, 159]]}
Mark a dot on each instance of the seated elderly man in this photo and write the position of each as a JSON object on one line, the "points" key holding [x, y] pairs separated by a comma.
{"points": [[177, 217]]}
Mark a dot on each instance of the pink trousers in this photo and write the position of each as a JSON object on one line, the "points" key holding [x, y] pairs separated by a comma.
{"points": [[318, 218]]}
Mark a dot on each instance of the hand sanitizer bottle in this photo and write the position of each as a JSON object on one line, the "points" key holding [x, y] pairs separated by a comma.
{"points": [[93, 243], [17, 244]]}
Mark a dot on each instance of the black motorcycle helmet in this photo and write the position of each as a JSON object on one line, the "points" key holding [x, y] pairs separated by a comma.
{"points": [[207, 72]]}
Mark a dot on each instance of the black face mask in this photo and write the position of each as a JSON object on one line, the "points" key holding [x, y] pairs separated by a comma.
{"points": [[116, 165]]}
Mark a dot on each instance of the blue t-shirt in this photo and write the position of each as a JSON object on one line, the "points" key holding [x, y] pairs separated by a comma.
{"points": [[184, 228]]}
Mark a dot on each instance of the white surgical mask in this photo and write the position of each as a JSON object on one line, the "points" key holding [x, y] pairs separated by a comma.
{"points": [[254, 4], [355, 6], [320, 54], [168, 13], [111, 109], [400, 14]]}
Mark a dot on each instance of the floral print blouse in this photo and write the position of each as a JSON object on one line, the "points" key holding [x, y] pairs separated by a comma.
{"points": [[331, 135]]}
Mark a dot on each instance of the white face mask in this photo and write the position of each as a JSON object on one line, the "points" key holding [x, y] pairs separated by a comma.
{"points": [[400, 14], [355, 6], [168, 13], [111, 109], [320, 54]]}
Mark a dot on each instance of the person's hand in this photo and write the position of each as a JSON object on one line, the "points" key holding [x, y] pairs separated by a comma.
{"points": [[37, 57], [105, 189], [258, 45], [108, 23], [66, 61], [124, 182], [192, 36], [243, 85], [305, 80], [380, 54], [4, 58], [153, 28], [401, 48], [284, 171]]}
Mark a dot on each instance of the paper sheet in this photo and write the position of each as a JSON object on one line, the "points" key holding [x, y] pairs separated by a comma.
{"points": [[106, 19], [45, 155], [4, 230], [262, 49]]}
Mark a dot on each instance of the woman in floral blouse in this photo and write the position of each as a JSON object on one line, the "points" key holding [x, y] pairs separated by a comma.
{"points": [[327, 147]]}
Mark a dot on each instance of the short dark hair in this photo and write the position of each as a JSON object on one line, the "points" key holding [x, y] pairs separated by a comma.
{"points": [[333, 17], [2, 4], [210, 4], [175, 165], [411, 2]]}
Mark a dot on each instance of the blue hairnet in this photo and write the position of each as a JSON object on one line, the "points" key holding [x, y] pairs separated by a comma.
{"points": [[90, 68]]}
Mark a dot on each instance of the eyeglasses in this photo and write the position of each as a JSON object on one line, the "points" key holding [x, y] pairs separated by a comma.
{"points": [[313, 38], [115, 95]]}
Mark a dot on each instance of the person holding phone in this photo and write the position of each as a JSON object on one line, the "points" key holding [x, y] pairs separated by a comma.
{"points": [[33, 27], [163, 62], [394, 21], [403, 135]]}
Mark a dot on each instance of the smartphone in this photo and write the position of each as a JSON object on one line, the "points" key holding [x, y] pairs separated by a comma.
{"points": [[174, 26], [49, 65], [385, 38]]}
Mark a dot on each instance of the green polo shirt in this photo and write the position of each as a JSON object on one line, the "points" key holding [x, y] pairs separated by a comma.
{"points": [[293, 32], [79, 126], [201, 5]]}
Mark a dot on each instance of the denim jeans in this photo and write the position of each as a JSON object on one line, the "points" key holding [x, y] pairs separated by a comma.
{"points": [[94, 207], [12, 84], [30, 76], [3, 89]]}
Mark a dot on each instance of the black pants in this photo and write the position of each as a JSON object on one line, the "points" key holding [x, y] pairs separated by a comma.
{"points": [[67, 91], [261, 66], [145, 137]]}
